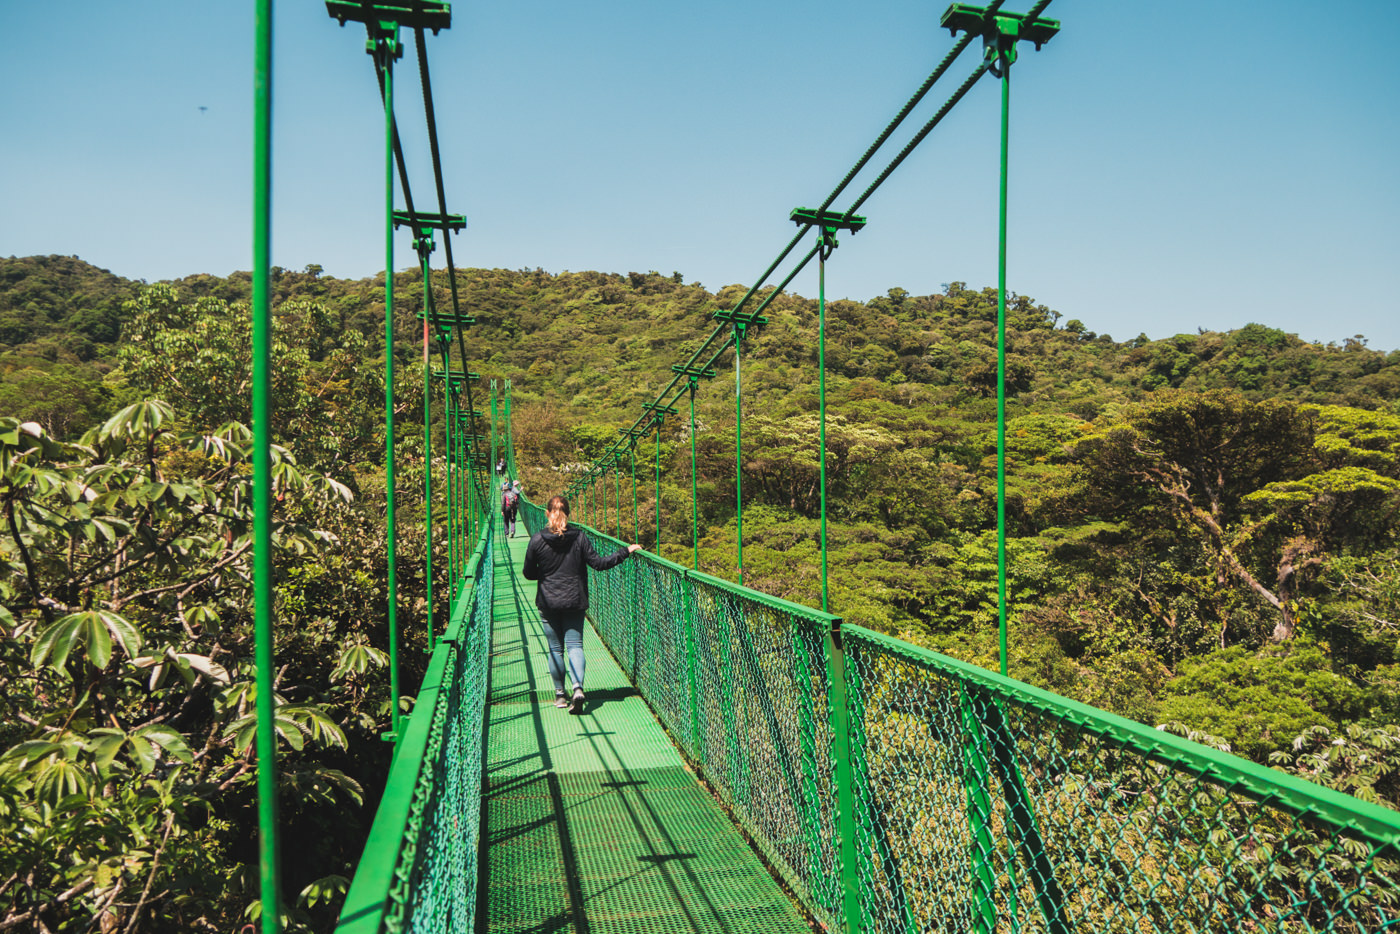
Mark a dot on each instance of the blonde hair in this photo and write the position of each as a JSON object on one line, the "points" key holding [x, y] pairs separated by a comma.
{"points": [[558, 514]]}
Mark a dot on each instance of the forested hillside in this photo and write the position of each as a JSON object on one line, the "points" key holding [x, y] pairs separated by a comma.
{"points": [[1203, 534]]}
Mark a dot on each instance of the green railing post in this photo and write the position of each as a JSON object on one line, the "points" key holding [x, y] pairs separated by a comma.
{"points": [[617, 499], [845, 791], [386, 48], [449, 482], [738, 764], [807, 727], [828, 243], [496, 481], [976, 778], [422, 242], [449, 444], [636, 515], [658, 485], [692, 667], [495, 415], [739, 448], [694, 482], [268, 869], [1021, 815], [464, 517], [827, 224], [510, 437], [871, 822], [1006, 54], [473, 500]]}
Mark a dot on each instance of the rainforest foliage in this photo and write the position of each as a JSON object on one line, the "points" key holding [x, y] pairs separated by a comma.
{"points": [[1203, 534]]}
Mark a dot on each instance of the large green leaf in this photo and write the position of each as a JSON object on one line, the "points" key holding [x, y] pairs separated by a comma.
{"points": [[105, 744], [93, 629], [138, 420], [166, 738], [141, 744], [58, 778]]}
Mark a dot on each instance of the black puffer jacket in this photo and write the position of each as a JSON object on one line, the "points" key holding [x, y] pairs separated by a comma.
{"points": [[560, 563]]}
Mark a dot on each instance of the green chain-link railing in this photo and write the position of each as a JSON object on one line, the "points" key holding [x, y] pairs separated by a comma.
{"points": [[897, 790], [419, 869]]}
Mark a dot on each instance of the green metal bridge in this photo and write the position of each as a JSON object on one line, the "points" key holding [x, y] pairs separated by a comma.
{"points": [[748, 764], [745, 763]]}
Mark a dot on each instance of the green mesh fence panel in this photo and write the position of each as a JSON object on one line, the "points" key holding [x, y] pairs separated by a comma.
{"points": [[981, 798], [765, 734], [664, 647], [419, 869], [978, 803]]}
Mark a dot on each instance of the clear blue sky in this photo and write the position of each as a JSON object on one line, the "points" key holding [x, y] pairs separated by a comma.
{"points": [[1175, 165]]}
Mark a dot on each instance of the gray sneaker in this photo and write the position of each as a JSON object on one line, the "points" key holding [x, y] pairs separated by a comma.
{"points": [[561, 699], [576, 705]]}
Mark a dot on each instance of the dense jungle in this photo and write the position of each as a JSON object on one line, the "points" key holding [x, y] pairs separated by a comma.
{"points": [[1204, 535]]}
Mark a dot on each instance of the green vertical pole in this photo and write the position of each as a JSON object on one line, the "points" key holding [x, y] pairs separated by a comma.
{"points": [[262, 469], [811, 756], [617, 497], [694, 483], [468, 500], [385, 47], [692, 669], [450, 406], [828, 241], [739, 449], [468, 492], [658, 485], [464, 513], [427, 454], [479, 507], [976, 784], [510, 438], [1001, 364], [845, 778], [495, 417], [456, 468], [636, 515], [495, 490]]}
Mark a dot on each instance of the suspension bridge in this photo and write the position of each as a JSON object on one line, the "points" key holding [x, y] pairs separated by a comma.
{"points": [[743, 762]]}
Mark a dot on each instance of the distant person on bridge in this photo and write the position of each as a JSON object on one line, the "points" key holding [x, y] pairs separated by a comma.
{"points": [[510, 502], [559, 558]]}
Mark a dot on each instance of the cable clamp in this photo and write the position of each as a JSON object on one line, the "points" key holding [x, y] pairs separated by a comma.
{"points": [[1000, 49]]}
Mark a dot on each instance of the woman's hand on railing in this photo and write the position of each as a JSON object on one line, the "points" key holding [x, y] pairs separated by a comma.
{"points": [[632, 548]]}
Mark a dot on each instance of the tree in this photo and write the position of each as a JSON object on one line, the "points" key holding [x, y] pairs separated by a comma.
{"points": [[1187, 462], [198, 355], [125, 571]]}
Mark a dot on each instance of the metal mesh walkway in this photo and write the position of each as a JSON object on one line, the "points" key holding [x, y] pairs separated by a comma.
{"points": [[592, 822]]}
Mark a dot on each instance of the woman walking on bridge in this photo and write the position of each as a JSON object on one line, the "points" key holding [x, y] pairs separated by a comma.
{"points": [[559, 558]]}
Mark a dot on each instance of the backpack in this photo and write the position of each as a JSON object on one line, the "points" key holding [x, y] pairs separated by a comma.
{"points": [[508, 500]]}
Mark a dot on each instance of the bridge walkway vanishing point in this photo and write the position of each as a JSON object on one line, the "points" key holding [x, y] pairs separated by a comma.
{"points": [[593, 823]]}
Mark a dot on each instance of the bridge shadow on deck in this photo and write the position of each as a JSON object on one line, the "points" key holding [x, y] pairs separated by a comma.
{"points": [[592, 824]]}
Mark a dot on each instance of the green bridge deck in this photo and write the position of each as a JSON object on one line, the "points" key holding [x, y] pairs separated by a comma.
{"points": [[593, 823]]}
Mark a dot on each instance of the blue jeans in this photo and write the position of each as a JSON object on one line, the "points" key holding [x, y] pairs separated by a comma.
{"points": [[568, 627]]}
